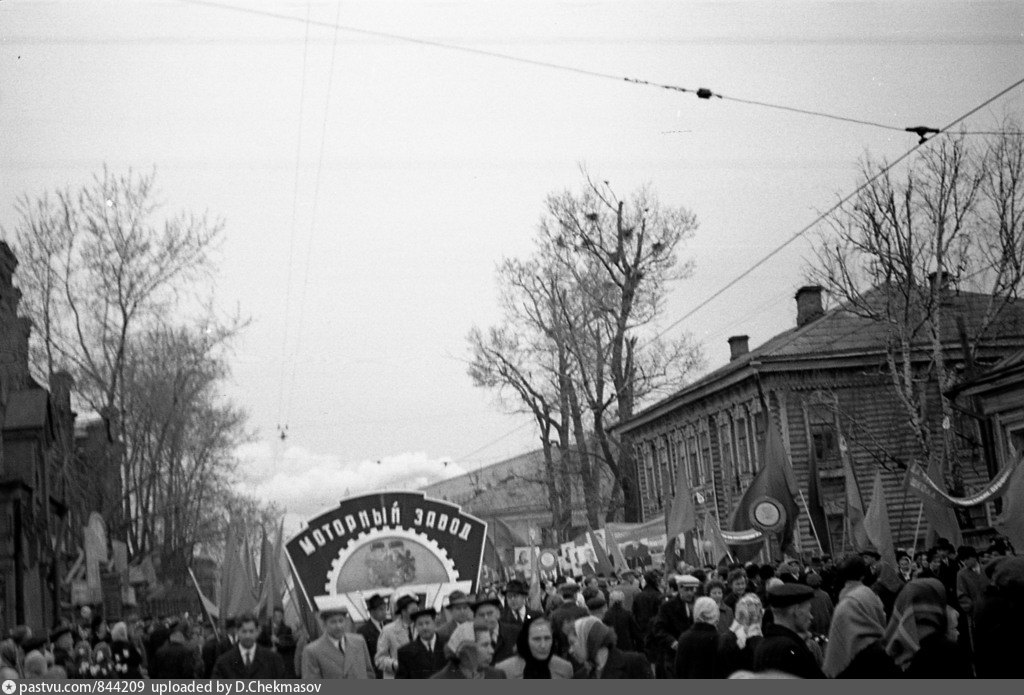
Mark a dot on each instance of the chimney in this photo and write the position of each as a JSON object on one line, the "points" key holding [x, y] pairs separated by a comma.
{"points": [[808, 304], [738, 346], [935, 278]]}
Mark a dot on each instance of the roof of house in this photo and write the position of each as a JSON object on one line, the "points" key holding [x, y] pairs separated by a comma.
{"points": [[841, 332]]}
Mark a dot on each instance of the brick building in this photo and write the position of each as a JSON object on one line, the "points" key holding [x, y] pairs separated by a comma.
{"points": [[52, 475], [825, 382], [38, 432]]}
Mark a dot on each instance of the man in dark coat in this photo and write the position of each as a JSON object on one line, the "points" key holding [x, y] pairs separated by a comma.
{"points": [[515, 612], [377, 607], [674, 617], [176, 658], [424, 656], [782, 648], [627, 633], [503, 637], [215, 646], [647, 602], [248, 659]]}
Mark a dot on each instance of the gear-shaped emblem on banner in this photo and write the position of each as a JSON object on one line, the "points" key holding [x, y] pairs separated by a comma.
{"points": [[389, 558]]}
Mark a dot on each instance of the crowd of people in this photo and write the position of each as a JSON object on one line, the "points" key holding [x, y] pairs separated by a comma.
{"points": [[945, 613]]}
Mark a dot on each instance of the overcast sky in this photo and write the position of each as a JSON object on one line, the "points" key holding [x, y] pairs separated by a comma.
{"points": [[434, 164]]}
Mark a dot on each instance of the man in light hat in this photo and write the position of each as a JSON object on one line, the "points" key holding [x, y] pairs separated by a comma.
{"points": [[783, 649], [425, 655], [395, 635], [674, 617], [377, 607], [460, 610], [338, 652]]}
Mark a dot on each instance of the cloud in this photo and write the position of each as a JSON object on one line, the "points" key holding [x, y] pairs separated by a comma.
{"points": [[304, 483]]}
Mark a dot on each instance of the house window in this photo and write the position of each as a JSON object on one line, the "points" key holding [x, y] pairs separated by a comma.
{"points": [[693, 467], [673, 462], [705, 457], [760, 428], [826, 444], [725, 441], [742, 446]]}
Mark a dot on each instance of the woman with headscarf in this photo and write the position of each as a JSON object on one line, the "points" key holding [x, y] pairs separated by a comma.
{"points": [[535, 656], [855, 648], [593, 643], [697, 653], [35, 665], [736, 647], [9, 661], [921, 635], [469, 651], [127, 661]]}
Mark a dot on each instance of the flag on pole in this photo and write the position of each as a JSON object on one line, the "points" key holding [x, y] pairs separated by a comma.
{"points": [[209, 607], [534, 598], [1011, 520], [815, 506], [604, 563], [775, 481], [237, 594], [271, 574], [712, 533], [854, 501], [876, 522], [941, 518], [614, 551], [681, 520]]}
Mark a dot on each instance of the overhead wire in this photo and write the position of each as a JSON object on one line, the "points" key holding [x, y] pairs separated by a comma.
{"points": [[313, 207], [843, 201], [792, 238], [700, 92], [703, 93], [282, 427]]}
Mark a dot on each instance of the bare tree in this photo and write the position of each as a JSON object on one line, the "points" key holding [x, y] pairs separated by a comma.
{"points": [[898, 250], [620, 257], [526, 356], [115, 290], [572, 346]]}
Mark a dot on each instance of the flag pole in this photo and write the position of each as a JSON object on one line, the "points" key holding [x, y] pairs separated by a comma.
{"points": [[917, 529], [810, 521]]}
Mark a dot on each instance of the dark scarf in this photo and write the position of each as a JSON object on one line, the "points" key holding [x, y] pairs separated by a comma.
{"points": [[534, 668]]}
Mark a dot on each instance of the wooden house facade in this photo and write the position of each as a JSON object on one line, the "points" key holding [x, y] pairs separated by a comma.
{"points": [[826, 385]]}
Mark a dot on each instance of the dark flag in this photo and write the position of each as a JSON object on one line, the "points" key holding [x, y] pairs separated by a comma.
{"points": [[774, 480], [815, 507]]}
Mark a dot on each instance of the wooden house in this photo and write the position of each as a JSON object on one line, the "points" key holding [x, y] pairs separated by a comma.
{"points": [[826, 384]]}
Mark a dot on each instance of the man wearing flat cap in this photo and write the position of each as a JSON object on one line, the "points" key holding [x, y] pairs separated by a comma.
{"points": [[338, 652], [674, 617], [396, 634], [503, 637], [783, 649], [370, 631], [460, 610], [424, 656]]}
